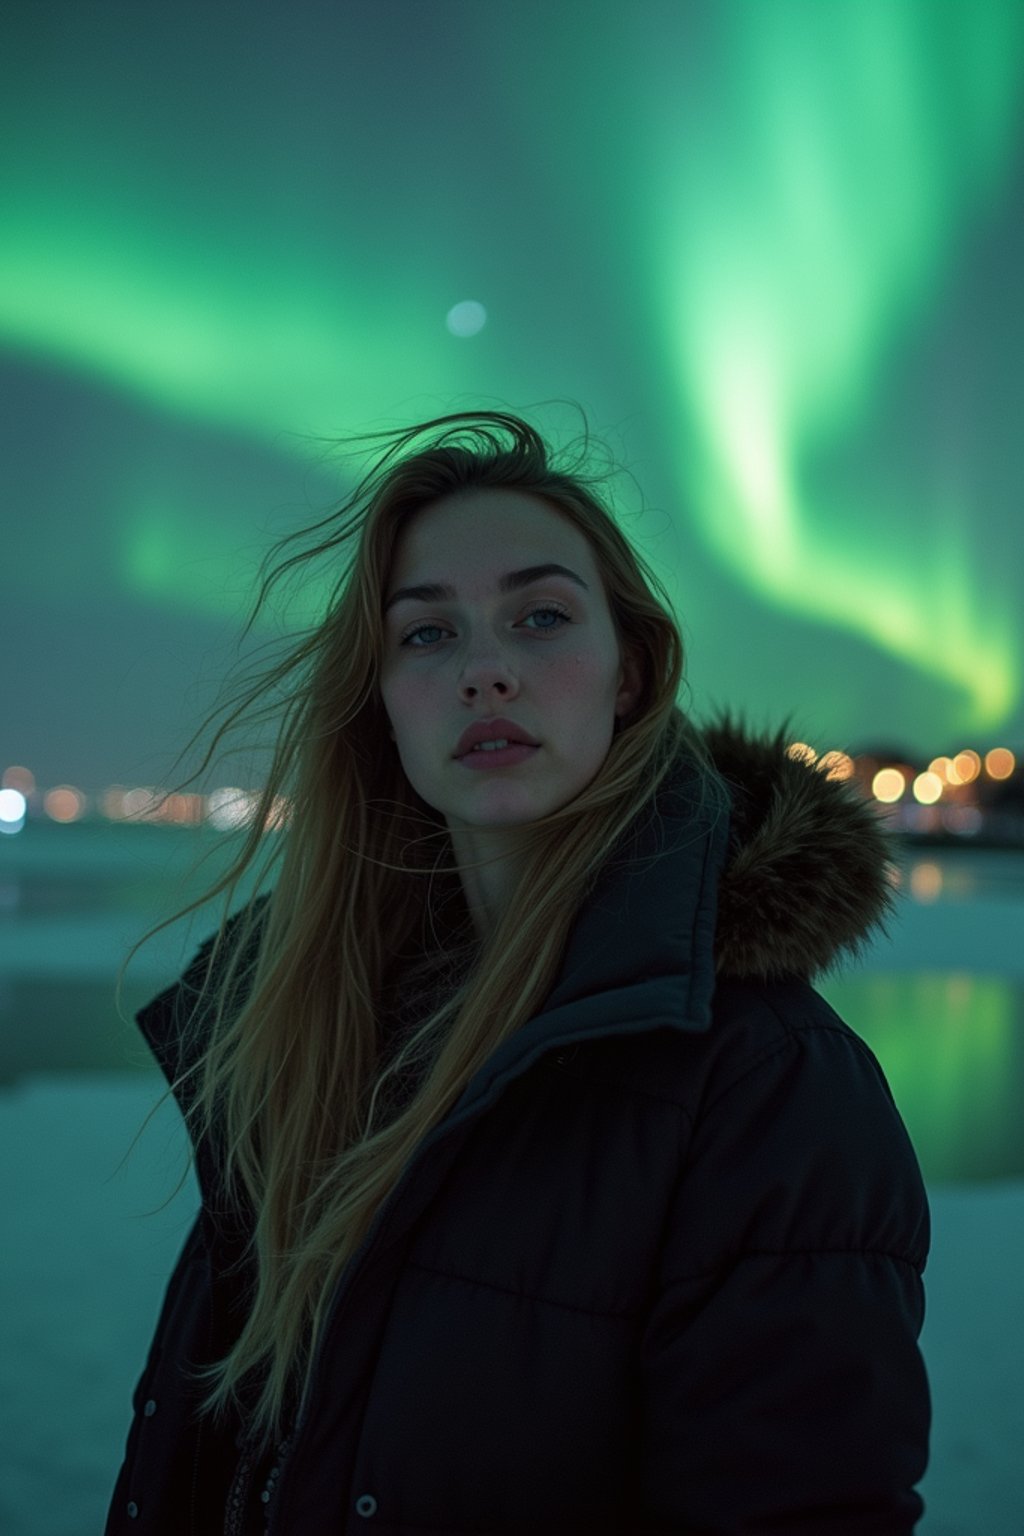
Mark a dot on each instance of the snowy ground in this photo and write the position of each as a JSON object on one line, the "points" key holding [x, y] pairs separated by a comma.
{"points": [[84, 1271]]}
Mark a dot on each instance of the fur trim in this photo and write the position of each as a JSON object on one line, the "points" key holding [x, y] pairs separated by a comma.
{"points": [[810, 872]]}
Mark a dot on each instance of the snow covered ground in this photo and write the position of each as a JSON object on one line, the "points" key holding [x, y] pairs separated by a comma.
{"points": [[84, 1269]]}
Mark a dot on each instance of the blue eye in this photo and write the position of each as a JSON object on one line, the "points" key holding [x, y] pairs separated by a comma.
{"points": [[559, 613]]}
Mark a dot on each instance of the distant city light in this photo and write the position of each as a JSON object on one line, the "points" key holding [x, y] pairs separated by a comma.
{"points": [[948, 797], [279, 814], [888, 785], [927, 788], [1000, 763], [836, 765], [136, 804], [230, 807], [65, 803], [13, 806], [112, 802], [926, 881], [183, 810], [19, 778], [967, 765]]}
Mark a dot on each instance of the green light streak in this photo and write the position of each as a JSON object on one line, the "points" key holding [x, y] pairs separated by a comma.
{"points": [[853, 144], [202, 332]]}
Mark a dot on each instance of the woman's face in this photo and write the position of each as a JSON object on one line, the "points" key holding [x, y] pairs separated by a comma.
{"points": [[482, 653]]}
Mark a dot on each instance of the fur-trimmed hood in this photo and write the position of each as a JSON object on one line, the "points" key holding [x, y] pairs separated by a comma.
{"points": [[810, 872]]}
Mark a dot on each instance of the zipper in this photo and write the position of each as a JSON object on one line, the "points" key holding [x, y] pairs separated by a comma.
{"points": [[238, 1493], [270, 1486]]}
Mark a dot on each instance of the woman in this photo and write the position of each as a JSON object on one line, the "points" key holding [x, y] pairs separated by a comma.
{"points": [[541, 1191]]}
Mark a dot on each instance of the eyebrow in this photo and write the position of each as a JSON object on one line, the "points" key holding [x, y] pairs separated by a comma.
{"points": [[435, 592]]}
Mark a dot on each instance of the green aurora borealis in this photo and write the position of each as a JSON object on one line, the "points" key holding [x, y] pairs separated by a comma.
{"points": [[773, 249], [794, 276]]}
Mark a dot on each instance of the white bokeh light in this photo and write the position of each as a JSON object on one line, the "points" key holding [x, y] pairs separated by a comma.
{"points": [[13, 806], [230, 807]]}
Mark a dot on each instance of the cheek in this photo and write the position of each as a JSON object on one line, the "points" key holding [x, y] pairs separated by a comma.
{"points": [[582, 683], [404, 695], [406, 701]]}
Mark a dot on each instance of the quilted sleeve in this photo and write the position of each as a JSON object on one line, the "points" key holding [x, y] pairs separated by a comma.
{"points": [[783, 1389]]}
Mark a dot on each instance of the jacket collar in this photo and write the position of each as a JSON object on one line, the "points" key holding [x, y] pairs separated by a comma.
{"points": [[789, 876]]}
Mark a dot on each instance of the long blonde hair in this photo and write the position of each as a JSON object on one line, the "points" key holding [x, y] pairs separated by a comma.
{"points": [[283, 1039]]}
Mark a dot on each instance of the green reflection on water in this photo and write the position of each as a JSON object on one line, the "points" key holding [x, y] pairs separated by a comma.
{"points": [[952, 1048]]}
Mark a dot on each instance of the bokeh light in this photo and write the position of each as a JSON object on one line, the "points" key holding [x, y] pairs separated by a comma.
{"points": [[12, 810], [888, 785], [1000, 763], [65, 803]]}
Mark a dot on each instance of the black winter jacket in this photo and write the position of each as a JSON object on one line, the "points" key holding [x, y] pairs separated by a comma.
{"points": [[659, 1269]]}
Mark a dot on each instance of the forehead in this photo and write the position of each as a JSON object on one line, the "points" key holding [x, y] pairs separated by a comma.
{"points": [[497, 525]]}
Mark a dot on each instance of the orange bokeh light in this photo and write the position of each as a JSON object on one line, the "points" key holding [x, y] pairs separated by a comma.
{"points": [[64, 803]]}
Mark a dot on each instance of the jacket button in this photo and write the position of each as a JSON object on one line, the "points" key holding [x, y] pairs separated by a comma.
{"points": [[150, 1408], [367, 1505], [133, 1510]]}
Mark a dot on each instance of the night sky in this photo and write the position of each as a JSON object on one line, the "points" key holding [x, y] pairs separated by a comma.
{"points": [[773, 250]]}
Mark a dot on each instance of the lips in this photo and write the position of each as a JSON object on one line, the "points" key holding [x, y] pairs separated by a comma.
{"points": [[497, 729]]}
